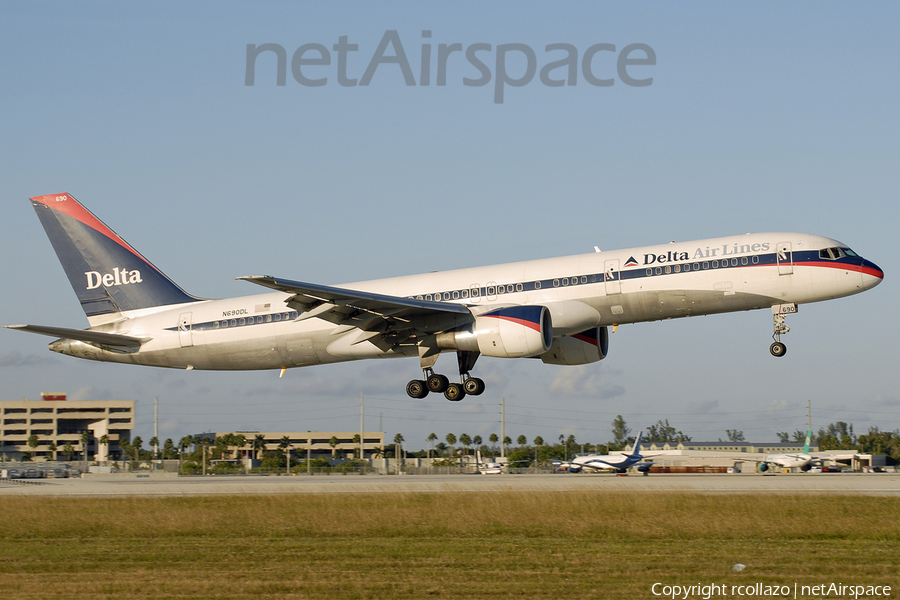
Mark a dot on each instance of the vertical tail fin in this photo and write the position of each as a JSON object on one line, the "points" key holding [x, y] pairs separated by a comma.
{"points": [[808, 439], [636, 450], [107, 274]]}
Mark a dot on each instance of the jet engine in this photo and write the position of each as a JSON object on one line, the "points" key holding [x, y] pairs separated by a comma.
{"points": [[514, 332], [579, 349]]}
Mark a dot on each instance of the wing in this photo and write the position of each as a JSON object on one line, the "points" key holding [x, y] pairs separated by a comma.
{"points": [[124, 342], [372, 313]]}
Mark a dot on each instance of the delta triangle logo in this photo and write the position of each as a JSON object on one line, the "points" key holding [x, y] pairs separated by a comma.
{"points": [[631, 262]]}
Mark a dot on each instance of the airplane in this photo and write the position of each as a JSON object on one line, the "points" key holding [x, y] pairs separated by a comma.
{"points": [[620, 463], [487, 467], [556, 309], [799, 460]]}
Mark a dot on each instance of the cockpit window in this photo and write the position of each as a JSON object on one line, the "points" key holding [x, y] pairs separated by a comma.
{"points": [[831, 253], [849, 252]]}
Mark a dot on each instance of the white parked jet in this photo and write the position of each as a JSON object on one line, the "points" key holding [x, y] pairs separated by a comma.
{"points": [[555, 309], [799, 460], [619, 463]]}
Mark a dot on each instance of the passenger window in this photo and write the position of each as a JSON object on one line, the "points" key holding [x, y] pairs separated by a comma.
{"points": [[428, 296], [491, 290], [705, 265], [241, 321], [465, 293], [565, 281], [537, 285], [475, 292], [510, 288], [649, 272], [658, 271], [446, 295], [584, 279], [556, 283], [677, 268], [456, 295], [715, 264], [268, 318], [744, 260], [668, 270], [233, 323], [733, 262], [519, 287], [755, 260]]}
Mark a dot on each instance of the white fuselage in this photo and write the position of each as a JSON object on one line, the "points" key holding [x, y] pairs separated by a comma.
{"points": [[604, 288]]}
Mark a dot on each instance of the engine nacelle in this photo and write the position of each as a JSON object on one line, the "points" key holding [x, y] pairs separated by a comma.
{"points": [[580, 349], [514, 332]]}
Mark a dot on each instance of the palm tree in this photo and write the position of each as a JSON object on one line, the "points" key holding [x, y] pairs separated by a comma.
{"points": [[522, 440], [240, 440], [259, 443], [124, 450], [333, 442], [154, 445], [85, 438], [136, 444], [104, 441], [357, 450], [169, 449], [538, 442], [68, 450], [432, 437], [494, 438], [451, 439], [466, 441], [52, 449], [507, 442], [33, 444]]}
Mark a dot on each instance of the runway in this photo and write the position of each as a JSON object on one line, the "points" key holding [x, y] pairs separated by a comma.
{"points": [[867, 484]]}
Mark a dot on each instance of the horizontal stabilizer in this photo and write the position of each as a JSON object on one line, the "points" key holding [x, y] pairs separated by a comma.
{"points": [[84, 335]]}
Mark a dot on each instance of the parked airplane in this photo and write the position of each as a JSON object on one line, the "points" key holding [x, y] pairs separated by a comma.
{"points": [[789, 461], [619, 463], [555, 309], [487, 468]]}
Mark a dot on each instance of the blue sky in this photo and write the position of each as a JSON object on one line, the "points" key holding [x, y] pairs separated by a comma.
{"points": [[760, 117]]}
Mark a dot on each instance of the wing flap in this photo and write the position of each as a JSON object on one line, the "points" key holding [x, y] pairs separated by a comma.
{"points": [[368, 311], [311, 293]]}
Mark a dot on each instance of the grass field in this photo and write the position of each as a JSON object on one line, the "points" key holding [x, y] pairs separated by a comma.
{"points": [[484, 545]]}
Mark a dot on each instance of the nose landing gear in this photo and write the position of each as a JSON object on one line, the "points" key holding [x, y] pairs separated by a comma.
{"points": [[779, 312]]}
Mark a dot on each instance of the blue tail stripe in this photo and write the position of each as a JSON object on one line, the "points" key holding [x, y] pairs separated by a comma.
{"points": [[106, 275]]}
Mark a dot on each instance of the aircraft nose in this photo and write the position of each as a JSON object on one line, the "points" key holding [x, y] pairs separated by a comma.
{"points": [[871, 274]]}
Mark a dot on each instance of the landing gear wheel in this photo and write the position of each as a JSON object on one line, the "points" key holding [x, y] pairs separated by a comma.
{"points": [[474, 386], [454, 392], [437, 383], [777, 349], [416, 389]]}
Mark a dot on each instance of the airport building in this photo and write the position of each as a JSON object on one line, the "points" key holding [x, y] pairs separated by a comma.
{"points": [[317, 443], [56, 421], [751, 448]]}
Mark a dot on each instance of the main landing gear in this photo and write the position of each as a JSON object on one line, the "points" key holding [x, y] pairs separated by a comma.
{"points": [[779, 312], [435, 382]]}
